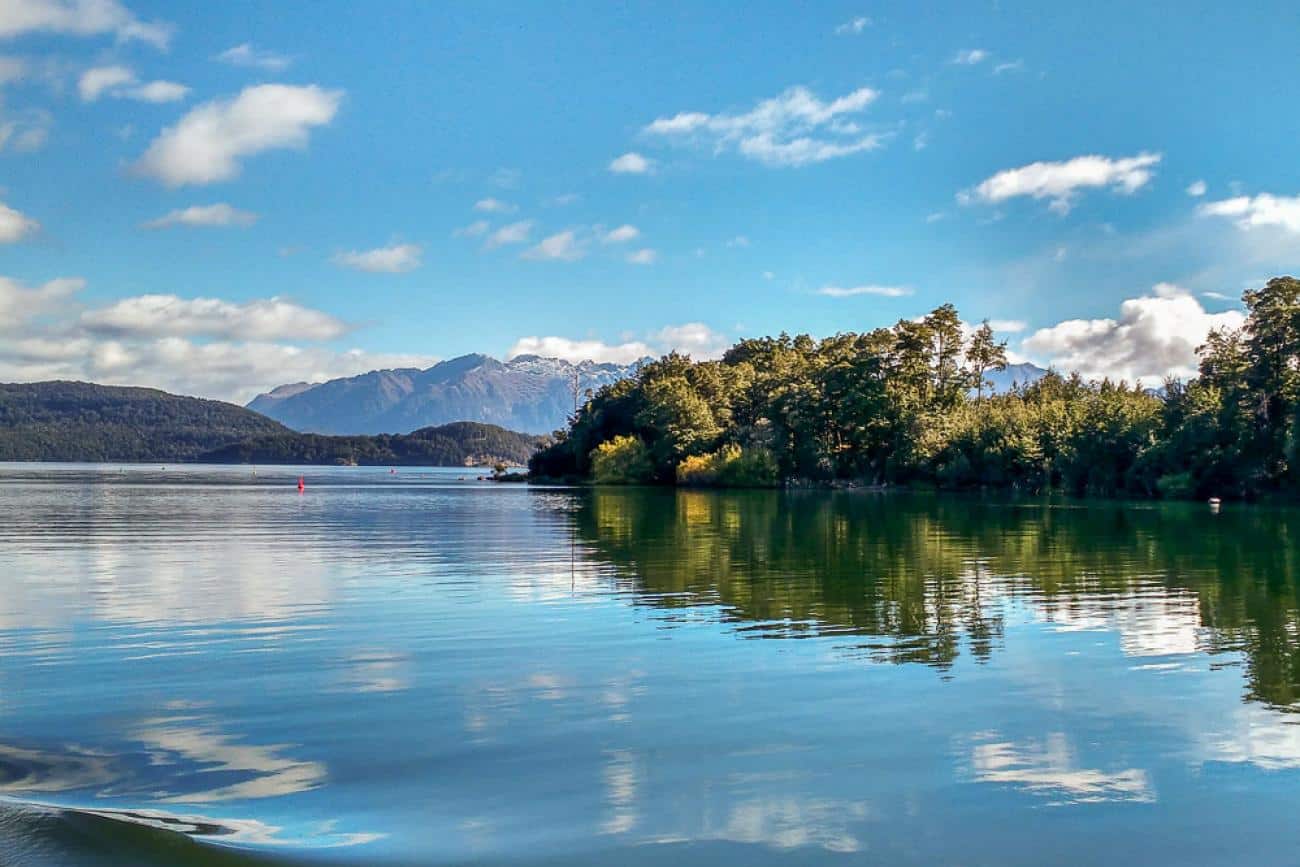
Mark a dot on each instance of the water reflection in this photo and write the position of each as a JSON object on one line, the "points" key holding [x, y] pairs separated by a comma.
{"points": [[930, 578], [429, 674], [1050, 767]]}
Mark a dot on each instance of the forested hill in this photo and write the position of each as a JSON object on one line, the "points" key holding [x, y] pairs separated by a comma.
{"points": [[81, 421], [463, 443]]}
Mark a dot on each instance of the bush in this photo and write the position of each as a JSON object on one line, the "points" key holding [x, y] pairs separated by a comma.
{"points": [[623, 460], [1176, 486], [729, 467]]}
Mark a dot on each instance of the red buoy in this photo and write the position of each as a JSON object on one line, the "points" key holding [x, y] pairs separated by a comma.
{"points": [[302, 484]]}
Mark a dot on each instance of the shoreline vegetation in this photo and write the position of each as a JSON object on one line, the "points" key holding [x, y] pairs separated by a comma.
{"points": [[909, 406]]}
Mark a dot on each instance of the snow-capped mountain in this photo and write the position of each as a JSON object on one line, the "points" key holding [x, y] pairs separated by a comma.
{"points": [[528, 393]]}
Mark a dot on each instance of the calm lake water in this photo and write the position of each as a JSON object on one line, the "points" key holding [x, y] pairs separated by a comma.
{"points": [[414, 669]]}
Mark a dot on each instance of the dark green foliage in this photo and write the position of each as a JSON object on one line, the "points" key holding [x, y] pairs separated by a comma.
{"points": [[908, 404], [458, 444], [79, 421]]}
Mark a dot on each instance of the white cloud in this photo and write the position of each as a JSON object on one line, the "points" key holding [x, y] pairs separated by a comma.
{"points": [[631, 163], [794, 128], [581, 350], [94, 82], [157, 92], [79, 18], [1217, 296], [20, 303], [870, 289], [15, 225], [1196, 189], [147, 340], [853, 26], [1010, 66], [207, 144], [694, 338], [121, 82], [393, 259], [1060, 182], [1254, 211], [644, 256], [245, 54], [511, 233], [1009, 325], [227, 370], [219, 214], [476, 229], [562, 246], [170, 315], [494, 206], [739, 241], [621, 235], [970, 57], [1155, 336]]}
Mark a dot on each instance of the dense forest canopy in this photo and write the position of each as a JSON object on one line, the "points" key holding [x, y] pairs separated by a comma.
{"points": [[79, 421], [463, 443], [909, 404]]}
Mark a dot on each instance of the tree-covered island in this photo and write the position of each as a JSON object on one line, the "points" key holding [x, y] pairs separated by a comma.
{"points": [[910, 405]]}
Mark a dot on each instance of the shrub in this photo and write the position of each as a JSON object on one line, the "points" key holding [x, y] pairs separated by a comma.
{"points": [[729, 467], [623, 460]]}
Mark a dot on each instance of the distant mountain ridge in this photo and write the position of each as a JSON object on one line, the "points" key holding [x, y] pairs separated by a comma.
{"points": [[1015, 376], [527, 393], [82, 421]]}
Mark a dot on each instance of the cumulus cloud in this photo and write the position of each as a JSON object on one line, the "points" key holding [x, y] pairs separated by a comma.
{"points": [[79, 18], [394, 259], [245, 54], [621, 235], [121, 82], [644, 256], [695, 338], [1196, 189], [854, 26], [204, 346], [170, 315], [20, 303], [970, 56], [511, 233], [1251, 212], [1061, 182], [494, 206], [560, 247], [15, 225], [868, 289], [219, 214], [1154, 336], [631, 163], [794, 128], [209, 142]]}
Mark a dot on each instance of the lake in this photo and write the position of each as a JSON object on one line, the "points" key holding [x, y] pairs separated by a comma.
{"points": [[200, 665]]}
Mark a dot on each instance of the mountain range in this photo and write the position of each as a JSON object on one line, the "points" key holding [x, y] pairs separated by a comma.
{"points": [[526, 393]]}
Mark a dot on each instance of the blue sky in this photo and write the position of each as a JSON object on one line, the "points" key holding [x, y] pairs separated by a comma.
{"points": [[216, 198]]}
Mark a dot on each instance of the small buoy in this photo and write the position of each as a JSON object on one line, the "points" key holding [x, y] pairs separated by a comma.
{"points": [[302, 484]]}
